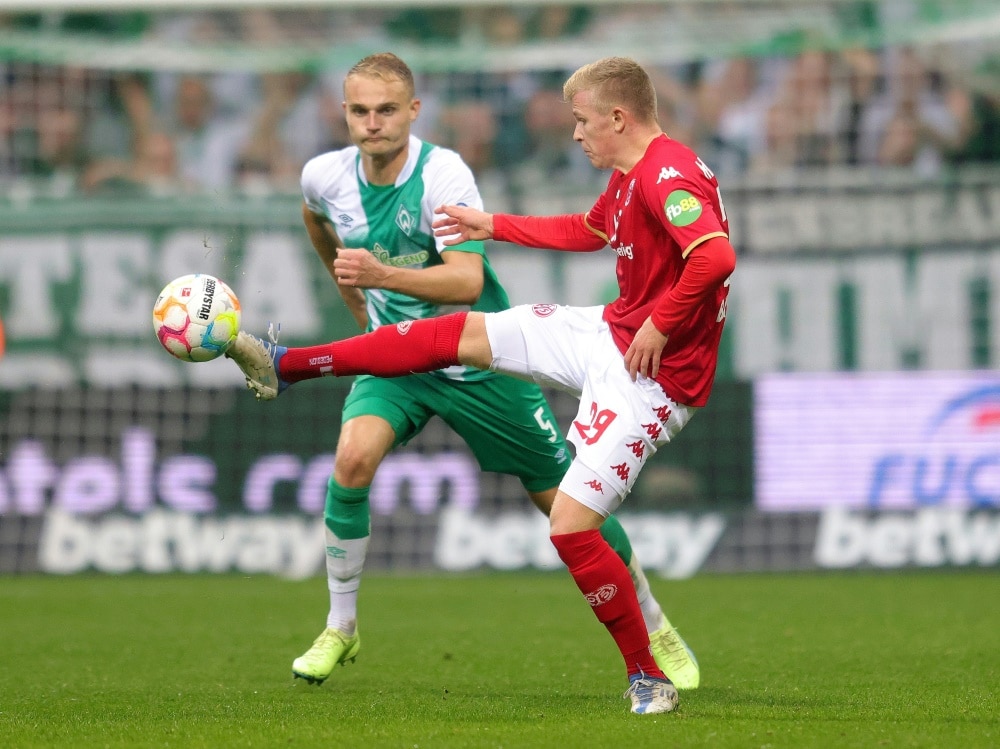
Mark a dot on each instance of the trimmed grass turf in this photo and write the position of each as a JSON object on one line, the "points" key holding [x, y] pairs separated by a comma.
{"points": [[497, 660]]}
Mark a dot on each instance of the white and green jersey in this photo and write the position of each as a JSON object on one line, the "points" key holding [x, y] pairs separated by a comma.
{"points": [[393, 222]]}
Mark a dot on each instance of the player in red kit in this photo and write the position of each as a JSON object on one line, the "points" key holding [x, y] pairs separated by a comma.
{"points": [[641, 366]]}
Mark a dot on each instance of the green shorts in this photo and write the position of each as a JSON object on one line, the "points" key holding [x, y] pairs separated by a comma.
{"points": [[507, 423]]}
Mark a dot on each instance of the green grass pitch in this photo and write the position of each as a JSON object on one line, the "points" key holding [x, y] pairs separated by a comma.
{"points": [[498, 660]]}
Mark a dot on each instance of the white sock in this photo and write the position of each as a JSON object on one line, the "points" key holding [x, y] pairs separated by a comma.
{"points": [[344, 561], [652, 614]]}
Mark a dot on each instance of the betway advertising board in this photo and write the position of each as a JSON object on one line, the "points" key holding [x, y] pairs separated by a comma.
{"points": [[210, 480], [196, 481]]}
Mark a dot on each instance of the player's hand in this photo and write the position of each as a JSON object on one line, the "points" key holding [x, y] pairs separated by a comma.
{"points": [[462, 224], [359, 269], [643, 356]]}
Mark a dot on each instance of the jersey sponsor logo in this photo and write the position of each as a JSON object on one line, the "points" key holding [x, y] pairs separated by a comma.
{"points": [[682, 208], [405, 220], [596, 485], [624, 251], [543, 310], [414, 258], [404, 327], [667, 172], [602, 595]]}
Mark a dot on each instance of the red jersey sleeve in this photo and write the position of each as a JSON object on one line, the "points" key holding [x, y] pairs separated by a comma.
{"points": [[569, 232], [706, 268], [688, 204]]}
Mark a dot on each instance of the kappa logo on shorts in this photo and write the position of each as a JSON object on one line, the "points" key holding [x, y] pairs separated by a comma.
{"points": [[663, 414], [404, 327], [543, 310], [653, 430], [622, 470], [602, 595], [595, 485], [636, 447]]}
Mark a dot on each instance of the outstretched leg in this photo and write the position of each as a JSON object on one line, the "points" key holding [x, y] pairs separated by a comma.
{"points": [[389, 351]]}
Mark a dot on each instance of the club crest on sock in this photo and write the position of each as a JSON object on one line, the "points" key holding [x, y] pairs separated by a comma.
{"points": [[602, 595]]}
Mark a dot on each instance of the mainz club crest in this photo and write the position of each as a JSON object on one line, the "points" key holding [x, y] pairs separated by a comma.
{"points": [[543, 310]]}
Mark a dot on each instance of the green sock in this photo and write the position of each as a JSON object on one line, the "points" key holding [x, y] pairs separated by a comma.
{"points": [[347, 514], [615, 535]]}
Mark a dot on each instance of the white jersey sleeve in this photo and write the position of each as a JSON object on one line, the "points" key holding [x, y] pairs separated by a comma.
{"points": [[323, 175], [449, 181]]}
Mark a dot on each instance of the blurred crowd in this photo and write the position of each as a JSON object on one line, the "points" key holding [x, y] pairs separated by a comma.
{"points": [[70, 129]]}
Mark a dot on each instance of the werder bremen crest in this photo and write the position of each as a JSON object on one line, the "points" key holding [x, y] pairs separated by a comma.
{"points": [[405, 220]]}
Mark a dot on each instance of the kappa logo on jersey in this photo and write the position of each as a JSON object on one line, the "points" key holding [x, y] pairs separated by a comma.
{"points": [[543, 310], [596, 485], [405, 220], [682, 208], [404, 327], [667, 172], [602, 595]]}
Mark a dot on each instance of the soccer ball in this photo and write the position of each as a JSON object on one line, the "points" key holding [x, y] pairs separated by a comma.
{"points": [[196, 317]]}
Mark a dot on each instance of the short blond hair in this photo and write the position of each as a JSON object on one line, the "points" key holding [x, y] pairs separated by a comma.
{"points": [[387, 67], [615, 81]]}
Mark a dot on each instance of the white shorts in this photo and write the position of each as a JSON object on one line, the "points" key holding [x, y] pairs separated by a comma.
{"points": [[619, 424]]}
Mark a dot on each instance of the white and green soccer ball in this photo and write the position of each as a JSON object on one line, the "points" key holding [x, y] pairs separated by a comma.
{"points": [[196, 317]]}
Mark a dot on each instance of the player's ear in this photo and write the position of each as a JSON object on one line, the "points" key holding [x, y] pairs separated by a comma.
{"points": [[618, 119], [414, 109]]}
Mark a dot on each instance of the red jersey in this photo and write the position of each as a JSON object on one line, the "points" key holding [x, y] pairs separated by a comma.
{"points": [[652, 218]]}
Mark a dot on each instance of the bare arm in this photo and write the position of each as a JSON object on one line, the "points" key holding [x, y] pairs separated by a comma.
{"points": [[459, 280], [327, 245]]}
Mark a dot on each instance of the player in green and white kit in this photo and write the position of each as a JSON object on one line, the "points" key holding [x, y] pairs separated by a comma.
{"points": [[368, 211]]}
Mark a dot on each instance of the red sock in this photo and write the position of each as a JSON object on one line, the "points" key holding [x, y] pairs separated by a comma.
{"points": [[603, 579], [389, 351]]}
